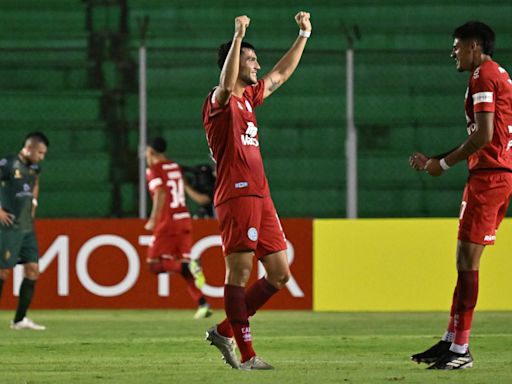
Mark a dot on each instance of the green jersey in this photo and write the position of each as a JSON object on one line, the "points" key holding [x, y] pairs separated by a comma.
{"points": [[17, 181]]}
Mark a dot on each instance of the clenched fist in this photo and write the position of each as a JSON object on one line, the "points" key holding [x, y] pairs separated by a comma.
{"points": [[302, 19], [241, 24]]}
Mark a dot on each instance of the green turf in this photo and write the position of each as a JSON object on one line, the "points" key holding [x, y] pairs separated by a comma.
{"points": [[313, 348]]}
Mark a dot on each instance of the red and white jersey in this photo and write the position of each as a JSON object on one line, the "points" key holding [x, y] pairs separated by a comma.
{"points": [[232, 134], [175, 216], [490, 90]]}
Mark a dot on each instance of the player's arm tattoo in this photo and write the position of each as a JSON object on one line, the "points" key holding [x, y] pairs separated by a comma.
{"points": [[273, 85]]}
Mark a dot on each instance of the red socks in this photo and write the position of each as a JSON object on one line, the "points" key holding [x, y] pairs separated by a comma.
{"points": [[255, 297], [236, 311], [464, 303], [258, 294]]}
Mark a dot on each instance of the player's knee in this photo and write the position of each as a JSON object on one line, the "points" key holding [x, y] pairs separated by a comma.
{"points": [[31, 271], [238, 276], [155, 268], [279, 280]]}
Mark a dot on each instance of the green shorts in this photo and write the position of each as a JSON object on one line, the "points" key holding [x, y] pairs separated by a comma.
{"points": [[17, 247]]}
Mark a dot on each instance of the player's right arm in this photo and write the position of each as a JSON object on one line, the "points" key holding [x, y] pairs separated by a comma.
{"points": [[229, 73], [156, 210], [6, 218]]}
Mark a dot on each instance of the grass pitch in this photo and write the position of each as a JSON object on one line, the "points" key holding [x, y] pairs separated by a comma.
{"points": [[314, 348]]}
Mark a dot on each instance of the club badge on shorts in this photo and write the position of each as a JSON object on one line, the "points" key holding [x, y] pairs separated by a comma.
{"points": [[252, 234]]}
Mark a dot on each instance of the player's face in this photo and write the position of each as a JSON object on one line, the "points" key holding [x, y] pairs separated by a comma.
{"points": [[149, 155], [462, 52], [36, 152], [249, 67]]}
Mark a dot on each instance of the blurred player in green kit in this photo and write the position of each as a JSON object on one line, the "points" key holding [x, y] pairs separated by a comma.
{"points": [[19, 190]]}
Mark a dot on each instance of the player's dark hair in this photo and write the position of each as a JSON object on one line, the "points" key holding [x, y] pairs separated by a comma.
{"points": [[478, 31], [224, 50], [158, 144], [38, 137]]}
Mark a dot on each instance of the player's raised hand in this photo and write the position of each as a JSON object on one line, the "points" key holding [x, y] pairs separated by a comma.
{"points": [[302, 19], [418, 161], [241, 24]]}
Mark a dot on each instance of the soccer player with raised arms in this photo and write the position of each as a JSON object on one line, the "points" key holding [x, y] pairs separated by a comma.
{"points": [[247, 218], [488, 151]]}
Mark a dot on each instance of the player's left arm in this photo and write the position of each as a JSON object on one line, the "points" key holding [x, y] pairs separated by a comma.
{"points": [[477, 140], [198, 197], [35, 196], [288, 63]]}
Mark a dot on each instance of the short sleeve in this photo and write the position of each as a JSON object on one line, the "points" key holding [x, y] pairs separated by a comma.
{"points": [[154, 177], [257, 93], [483, 92], [4, 169]]}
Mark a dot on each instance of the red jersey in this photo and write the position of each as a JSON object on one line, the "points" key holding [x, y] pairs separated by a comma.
{"points": [[232, 134], [490, 90], [175, 216]]}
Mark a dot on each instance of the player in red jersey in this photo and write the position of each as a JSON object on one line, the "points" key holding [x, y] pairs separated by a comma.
{"points": [[488, 150], [247, 218], [171, 224]]}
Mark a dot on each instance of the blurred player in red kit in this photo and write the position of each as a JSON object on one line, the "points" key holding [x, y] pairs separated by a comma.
{"points": [[488, 151], [171, 224], [247, 218]]}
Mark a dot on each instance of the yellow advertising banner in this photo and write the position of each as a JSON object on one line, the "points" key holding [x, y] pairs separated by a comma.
{"points": [[401, 265]]}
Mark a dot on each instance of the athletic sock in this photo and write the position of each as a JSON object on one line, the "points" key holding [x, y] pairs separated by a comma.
{"points": [[466, 301], [258, 294], [457, 348], [224, 328], [236, 311], [195, 293], [449, 335], [255, 297], [26, 294]]}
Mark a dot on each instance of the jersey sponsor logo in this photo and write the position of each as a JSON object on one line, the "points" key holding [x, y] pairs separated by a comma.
{"points": [[17, 174], [490, 238], [252, 234], [249, 137], [248, 105], [241, 184], [482, 97]]}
